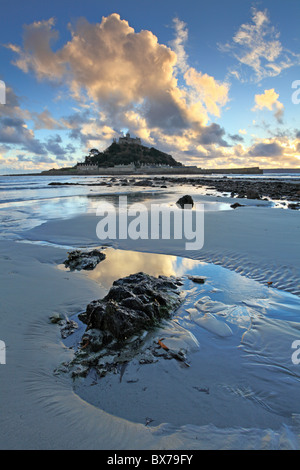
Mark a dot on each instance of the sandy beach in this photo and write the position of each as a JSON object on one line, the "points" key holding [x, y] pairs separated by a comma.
{"points": [[240, 390], [149, 228]]}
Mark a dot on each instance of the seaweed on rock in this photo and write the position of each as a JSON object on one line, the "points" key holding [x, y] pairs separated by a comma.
{"points": [[117, 325]]}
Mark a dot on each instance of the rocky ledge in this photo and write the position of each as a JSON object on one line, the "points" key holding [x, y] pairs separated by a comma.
{"points": [[133, 304], [117, 324]]}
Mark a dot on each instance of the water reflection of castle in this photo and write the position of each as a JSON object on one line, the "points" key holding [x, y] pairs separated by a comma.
{"points": [[128, 140]]}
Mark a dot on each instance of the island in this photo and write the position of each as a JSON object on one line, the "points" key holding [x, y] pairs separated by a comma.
{"points": [[127, 156]]}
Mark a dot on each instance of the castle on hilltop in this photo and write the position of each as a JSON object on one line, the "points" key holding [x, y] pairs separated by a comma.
{"points": [[128, 140]]}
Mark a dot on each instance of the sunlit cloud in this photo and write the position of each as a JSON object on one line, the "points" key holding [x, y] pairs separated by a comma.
{"points": [[269, 100], [118, 78], [45, 120], [37, 37], [178, 44], [125, 72], [212, 94]]}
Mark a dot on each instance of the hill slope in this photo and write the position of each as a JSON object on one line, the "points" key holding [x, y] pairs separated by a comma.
{"points": [[124, 154]]}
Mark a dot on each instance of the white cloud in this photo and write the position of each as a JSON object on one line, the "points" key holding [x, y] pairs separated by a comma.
{"points": [[269, 100], [178, 44], [257, 46], [127, 79], [125, 73], [212, 94]]}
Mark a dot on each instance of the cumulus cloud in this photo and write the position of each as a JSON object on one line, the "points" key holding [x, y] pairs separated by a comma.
{"points": [[17, 137], [37, 54], [53, 146], [13, 125], [265, 153], [257, 47], [268, 149], [178, 44], [213, 134], [123, 79], [14, 130], [125, 73], [212, 94], [45, 120], [269, 100], [236, 137], [12, 107]]}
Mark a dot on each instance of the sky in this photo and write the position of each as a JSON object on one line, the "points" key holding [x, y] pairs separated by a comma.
{"points": [[216, 84]]}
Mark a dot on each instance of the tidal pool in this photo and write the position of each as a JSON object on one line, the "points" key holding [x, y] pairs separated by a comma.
{"points": [[238, 336]]}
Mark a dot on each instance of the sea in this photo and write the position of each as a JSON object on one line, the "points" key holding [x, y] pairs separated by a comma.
{"points": [[30, 200]]}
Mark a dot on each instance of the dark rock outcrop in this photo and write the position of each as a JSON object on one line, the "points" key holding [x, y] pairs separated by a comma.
{"points": [[185, 201], [122, 325], [252, 194], [143, 183], [133, 304]]}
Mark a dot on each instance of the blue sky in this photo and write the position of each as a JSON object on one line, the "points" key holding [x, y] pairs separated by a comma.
{"points": [[208, 82]]}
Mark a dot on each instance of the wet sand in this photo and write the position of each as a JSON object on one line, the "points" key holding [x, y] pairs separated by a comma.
{"points": [[250, 370]]}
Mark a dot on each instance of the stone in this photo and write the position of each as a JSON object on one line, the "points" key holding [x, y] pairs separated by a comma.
{"points": [[119, 326], [78, 259], [56, 318], [185, 201], [252, 194], [133, 304], [143, 183]]}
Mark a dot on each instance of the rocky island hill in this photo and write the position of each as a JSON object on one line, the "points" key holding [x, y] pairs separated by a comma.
{"points": [[129, 156]]}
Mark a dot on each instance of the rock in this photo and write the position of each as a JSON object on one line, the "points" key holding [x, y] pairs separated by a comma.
{"points": [[185, 201], [294, 206], [147, 357], [143, 183], [252, 194], [133, 304], [118, 325], [236, 204], [57, 183], [67, 327], [56, 318], [83, 260]]}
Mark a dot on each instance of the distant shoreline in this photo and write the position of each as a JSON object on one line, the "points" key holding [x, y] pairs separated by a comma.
{"points": [[175, 171]]}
